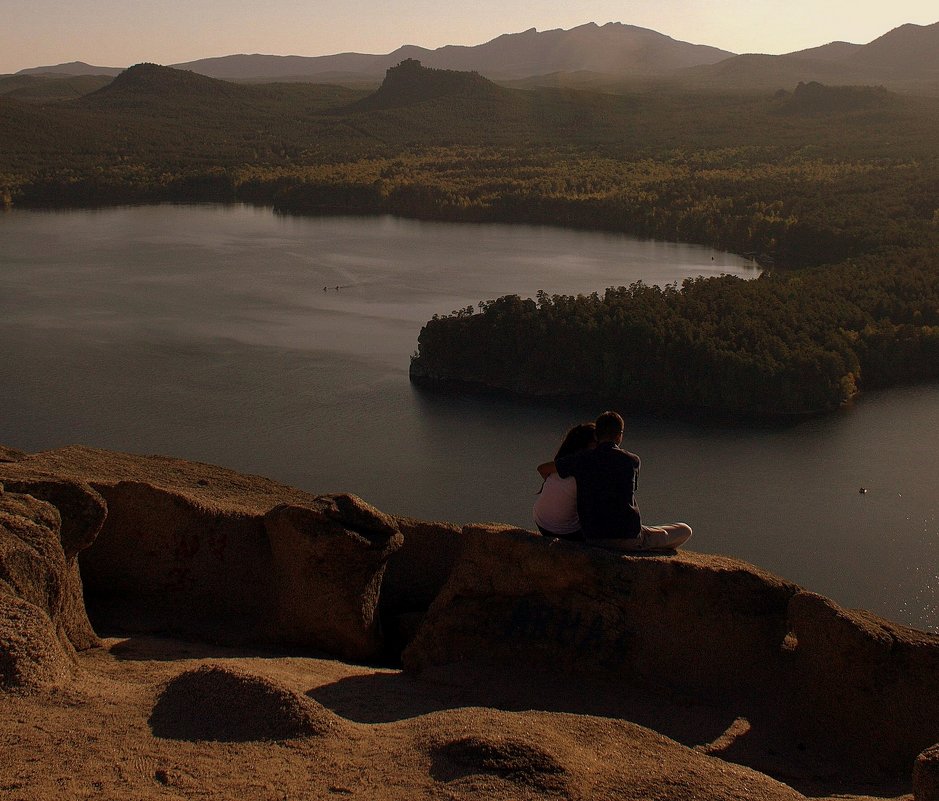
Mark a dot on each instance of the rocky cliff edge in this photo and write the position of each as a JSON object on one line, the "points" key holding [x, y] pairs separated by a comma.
{"points": [[153, 544]]}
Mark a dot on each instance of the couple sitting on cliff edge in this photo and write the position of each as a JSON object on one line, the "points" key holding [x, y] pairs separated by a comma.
{"points": [[589, 493]]}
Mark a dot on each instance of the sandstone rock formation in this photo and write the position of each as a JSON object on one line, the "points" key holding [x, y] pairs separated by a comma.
{"points": [[846, 687], [872, 681], [215, 555], [198, 550], [82, 512], [690, 622]]}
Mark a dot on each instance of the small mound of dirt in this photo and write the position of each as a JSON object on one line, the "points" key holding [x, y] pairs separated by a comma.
{"points": [[508, 758], [222, 704]]}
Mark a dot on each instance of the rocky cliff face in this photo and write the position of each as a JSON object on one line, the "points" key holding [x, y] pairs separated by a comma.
{"points": [[193, 549]]}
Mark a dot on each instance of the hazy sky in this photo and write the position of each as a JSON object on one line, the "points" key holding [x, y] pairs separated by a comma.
{"points": [[118, 33]]}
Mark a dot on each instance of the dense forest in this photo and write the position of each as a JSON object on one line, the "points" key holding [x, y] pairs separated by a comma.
{"points": [[785, 344], [840, 182]]}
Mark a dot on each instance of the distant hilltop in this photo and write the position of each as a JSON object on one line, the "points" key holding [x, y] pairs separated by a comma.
{"points": [[597, 56], [410, 82]]}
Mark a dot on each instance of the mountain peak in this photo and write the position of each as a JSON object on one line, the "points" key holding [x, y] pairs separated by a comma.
{"points": [[910, 48], [411, 82]]}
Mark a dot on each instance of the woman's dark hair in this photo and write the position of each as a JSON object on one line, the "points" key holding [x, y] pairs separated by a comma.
{"points": [[579, 438]]}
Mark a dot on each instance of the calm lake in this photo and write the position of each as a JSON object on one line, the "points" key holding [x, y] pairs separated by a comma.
{"points": [[218, 333]]}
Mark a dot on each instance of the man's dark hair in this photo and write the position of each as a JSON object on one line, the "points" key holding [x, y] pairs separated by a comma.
{"points": [[609, 426]]}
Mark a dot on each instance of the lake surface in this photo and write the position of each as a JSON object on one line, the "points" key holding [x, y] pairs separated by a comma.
{"points": [[205, 332]]}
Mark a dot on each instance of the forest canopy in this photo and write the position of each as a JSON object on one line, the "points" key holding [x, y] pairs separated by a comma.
{"points": [[785, 344]]}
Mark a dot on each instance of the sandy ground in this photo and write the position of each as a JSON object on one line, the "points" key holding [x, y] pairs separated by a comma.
{"points": [[117, 732]]}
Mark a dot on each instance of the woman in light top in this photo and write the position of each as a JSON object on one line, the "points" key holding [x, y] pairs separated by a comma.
{"points": [[555, 511]]}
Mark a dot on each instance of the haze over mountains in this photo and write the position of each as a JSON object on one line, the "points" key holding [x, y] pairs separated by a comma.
{"points": [[601, 57]]}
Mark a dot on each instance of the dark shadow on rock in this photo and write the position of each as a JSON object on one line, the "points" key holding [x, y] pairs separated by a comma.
{"points": [[157, 648], [222, 704], [387, 697], [743, 735], [761, 744]]}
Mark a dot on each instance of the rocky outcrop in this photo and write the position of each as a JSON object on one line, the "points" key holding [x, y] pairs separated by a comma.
{"points": [[212, 554], [690, 622], [216, 555], [845, 686], [82, 512], [872, 681], [165, 561]]}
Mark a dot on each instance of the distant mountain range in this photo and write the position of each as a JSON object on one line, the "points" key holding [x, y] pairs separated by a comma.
{"points": [[591, 55]]}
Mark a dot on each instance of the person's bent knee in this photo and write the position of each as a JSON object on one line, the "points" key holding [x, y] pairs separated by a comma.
{"points": [[680, 533]]}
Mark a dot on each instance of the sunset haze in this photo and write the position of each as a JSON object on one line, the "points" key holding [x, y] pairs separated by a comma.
{"points": [[116, 34]]}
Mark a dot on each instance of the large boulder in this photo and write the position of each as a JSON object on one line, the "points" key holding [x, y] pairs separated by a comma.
{"points": [[166, 562], [689, 622], [328, 562], [35, 608]]}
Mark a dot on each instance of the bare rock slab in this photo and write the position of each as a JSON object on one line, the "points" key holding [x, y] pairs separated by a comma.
{"points": [[855, 692]]}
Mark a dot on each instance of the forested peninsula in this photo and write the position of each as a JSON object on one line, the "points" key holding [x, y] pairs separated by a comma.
{"points": [[835, 188]]}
